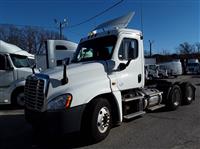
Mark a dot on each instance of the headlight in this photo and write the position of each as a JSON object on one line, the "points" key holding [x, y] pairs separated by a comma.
{"points": [[60, 102]]}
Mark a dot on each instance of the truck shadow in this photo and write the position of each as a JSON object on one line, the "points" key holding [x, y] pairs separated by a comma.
{"points": [[64, 142], [9, 107], [17, 133]]}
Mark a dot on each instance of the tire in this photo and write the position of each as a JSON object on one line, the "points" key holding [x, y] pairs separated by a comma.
{"points": [[18, 98], [98, 120], [174, 97], [188, 91]]}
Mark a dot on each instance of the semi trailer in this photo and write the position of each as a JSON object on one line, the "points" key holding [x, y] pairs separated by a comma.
{"points": [[102, 87], [56, 51]]}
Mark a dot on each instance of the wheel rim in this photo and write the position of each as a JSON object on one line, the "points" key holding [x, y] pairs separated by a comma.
{"points": [[176, 97], [189, 93], [20, 99], [103, 120]]}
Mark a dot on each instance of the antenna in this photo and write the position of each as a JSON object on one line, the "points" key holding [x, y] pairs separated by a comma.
{"points": [[141, 17]]}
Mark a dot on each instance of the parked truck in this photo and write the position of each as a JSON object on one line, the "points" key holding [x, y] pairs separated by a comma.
{"points": [[56, 51], [193, 66], [103, 86], [15, 66], [174, 68]]}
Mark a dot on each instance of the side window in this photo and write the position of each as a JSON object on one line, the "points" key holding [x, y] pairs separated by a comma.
{"points": [[2, 62], [61, 47], [128, 49], [85, 53]]}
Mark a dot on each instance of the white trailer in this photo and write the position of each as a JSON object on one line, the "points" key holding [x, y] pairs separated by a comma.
{"points": [[15, 66], [174, 68], [56, 51], [102, 87]]}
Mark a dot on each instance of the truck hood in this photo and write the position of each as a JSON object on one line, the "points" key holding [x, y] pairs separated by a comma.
{"points": [[79, 75], [23, 72], [78, 71], [85, 81]]}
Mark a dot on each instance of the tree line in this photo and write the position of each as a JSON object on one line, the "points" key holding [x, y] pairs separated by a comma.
{"points": [[187, 48], [182, 48], [28, 38]]}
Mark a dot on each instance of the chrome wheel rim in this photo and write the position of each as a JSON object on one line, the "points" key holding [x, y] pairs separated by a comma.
{"points": [[103, 120]]}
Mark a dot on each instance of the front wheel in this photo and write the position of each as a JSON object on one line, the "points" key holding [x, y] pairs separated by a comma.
{"points": [[18, 97], [98, 120]]}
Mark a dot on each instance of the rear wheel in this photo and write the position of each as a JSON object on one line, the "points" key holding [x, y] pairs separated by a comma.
{"points": [[188, 93], [174, 97], [97, 123]]}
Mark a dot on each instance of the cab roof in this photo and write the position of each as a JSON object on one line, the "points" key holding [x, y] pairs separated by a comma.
{"points": [[115, 32], [8, 48]]}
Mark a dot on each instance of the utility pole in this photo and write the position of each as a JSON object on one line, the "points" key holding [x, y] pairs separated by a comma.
{"points": [[150, 47], [60, 25]]}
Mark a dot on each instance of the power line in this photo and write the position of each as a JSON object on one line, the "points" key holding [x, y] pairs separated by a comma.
{"points": [[70, 26], [97, 15]]}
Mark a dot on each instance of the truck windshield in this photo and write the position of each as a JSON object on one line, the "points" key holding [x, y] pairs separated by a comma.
{"points": [[20, 61], [95, 49]]}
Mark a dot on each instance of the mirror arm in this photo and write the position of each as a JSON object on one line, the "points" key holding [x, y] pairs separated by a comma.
{"points": [[128, 62], [33, 68]]}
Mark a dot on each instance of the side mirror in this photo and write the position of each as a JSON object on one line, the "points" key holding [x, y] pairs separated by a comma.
{"points": [[123, 66], [65, 80]]}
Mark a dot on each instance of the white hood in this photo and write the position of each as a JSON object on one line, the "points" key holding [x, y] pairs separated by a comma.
{"points": [[78, 72], [83, 78]]}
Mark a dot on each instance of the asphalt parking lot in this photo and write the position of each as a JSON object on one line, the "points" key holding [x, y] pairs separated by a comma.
{"points": [[157, 130]]}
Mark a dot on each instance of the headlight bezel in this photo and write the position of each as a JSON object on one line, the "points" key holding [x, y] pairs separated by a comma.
{"points": [[60, 102]]}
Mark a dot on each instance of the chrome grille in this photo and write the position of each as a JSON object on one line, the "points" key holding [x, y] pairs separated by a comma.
{"points": [[34, 93]]}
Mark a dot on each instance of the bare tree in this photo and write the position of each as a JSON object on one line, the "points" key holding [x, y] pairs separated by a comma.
{"points": [[185, 48], [30, 39], [197, 47]]}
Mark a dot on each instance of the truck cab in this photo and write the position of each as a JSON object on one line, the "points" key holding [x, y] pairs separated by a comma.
{"points": [[15, 66], [103, 86]]}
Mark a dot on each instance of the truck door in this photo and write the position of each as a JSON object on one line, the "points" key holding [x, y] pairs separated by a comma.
{"points": [[133, 75], [6, 73]]}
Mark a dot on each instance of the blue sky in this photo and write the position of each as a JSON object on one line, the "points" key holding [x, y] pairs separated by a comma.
{"points": [[166, 22]]}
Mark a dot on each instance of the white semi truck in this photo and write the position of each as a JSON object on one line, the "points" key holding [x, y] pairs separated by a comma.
{"points": [[15, 66], [193, 66], [56, 51], [103, 86]]}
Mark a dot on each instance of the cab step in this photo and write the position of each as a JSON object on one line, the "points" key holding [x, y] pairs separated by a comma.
{"points": [[156, 107], [132, 98], [132, 115]]}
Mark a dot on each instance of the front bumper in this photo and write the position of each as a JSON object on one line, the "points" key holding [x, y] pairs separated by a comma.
{"points": [[57, 122]]}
